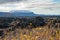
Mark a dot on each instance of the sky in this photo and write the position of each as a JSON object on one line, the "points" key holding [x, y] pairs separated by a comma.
{"points": [[45, 7]]}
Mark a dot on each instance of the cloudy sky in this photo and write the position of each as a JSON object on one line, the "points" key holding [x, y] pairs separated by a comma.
{"points": [[47, 7]]}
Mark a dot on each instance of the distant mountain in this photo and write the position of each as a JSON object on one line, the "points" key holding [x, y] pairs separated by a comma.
{"points": [[17, 13], [22, 13], [5, 14]]}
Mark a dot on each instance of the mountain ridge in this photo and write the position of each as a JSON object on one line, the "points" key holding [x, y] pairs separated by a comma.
{"points": [[17, 13]]}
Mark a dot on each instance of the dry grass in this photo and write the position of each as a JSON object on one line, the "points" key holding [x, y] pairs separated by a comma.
{"points": [[33, 34]]}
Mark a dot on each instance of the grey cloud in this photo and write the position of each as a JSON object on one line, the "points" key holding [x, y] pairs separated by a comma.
{"points": [[8, 1]]}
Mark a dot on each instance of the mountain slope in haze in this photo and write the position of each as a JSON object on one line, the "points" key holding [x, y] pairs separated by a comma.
{"points": [[23, 13], [5, 14], [17, 13]]}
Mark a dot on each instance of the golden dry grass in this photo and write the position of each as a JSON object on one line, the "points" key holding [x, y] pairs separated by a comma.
{"points": [[32, 34]]}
